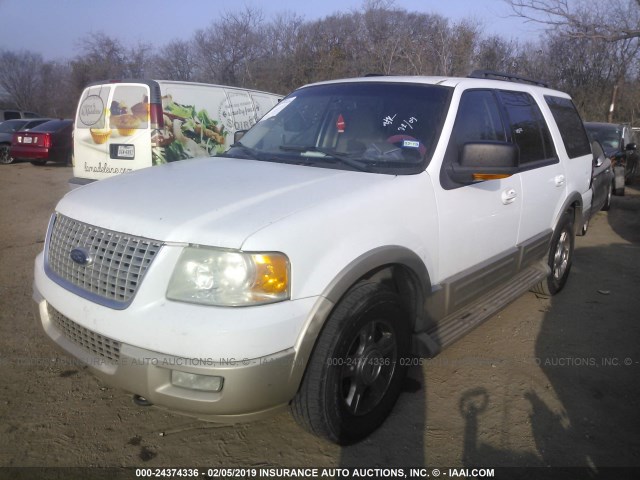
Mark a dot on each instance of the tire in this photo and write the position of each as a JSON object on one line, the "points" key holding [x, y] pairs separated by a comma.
{"points": [[618, 181], [5, 157], [38, 163], [355, 372], [607, 203], [560, 257]]}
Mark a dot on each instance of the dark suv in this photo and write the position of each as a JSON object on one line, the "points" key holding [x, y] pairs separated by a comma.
{"points": [[617, 142]]}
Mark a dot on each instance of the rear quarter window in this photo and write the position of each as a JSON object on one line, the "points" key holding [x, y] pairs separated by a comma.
{"points": [[574, 136]]}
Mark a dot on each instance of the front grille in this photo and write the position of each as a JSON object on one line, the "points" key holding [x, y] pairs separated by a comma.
{"points": [[117, 263], [92, 342]]}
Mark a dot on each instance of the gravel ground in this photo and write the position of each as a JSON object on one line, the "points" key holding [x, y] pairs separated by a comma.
{"points": [[547, 382]]}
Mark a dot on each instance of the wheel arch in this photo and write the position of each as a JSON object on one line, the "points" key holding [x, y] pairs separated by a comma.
{"points": [[574, 205], [395, 266]]}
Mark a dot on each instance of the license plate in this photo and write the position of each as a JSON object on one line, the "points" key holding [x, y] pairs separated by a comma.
{"points": [[121, 151], [126, 151], [27, 140]]}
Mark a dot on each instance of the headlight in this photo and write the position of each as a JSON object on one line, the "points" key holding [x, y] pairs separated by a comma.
{"points": [[213, 276]]}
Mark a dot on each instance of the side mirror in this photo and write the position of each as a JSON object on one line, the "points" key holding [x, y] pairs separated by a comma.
{"points": [[631, 146], [598, 153], [238, 135], [480, 161]]}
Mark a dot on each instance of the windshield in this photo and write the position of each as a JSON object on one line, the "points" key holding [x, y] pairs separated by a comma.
{"points": [[387, 128], [609, 136]]}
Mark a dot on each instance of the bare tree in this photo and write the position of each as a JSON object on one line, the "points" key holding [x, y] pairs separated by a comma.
{"points": [[615, 21], [20, 77], [226, 49], [611, 20], [497, 54], [176, 61]]}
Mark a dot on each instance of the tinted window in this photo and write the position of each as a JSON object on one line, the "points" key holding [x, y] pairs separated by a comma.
{"points": [[34, 123], [528, 128], [478, 119], [570, 125], [11, 126], [51, 126], [11, 115]]}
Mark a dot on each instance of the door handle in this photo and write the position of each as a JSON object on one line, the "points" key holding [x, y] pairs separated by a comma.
{"points": [[559, 180], [509, 196]]}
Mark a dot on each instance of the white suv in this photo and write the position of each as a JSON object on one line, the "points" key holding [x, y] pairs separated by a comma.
{"points": [[360, 222]]}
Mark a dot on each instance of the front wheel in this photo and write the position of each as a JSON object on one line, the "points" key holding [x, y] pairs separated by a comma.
{"points": [[355, 373], [560, 257]]}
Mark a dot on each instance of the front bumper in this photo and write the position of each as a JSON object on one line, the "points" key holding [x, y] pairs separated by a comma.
{"points": [[252, 387]]}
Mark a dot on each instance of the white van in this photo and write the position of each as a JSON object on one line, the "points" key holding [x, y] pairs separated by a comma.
{"points": [[127, 125]]}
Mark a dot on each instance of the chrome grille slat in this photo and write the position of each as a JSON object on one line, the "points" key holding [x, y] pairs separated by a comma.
{"points": [[89, 340], [119, 260]]}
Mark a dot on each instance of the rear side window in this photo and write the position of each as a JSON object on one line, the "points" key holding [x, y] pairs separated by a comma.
{"points": [[570, 125], [10, 115], [528, 128]]}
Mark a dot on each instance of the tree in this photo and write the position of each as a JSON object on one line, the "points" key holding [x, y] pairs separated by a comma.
{"points": [[176, 61], [611, 20], [20, 77], [226, 49], [616, 22]]}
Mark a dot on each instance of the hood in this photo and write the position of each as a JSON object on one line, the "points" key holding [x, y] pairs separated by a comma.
{"points": [[209, 201]]}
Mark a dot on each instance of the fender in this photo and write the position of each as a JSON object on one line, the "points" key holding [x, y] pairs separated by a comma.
{"points": [[366, 264], [573, 201]]}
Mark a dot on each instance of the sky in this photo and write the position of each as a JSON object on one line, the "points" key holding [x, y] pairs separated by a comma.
{"points": [[54, 28]]}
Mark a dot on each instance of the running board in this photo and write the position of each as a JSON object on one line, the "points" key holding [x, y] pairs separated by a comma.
{"points": [[456, 325]]}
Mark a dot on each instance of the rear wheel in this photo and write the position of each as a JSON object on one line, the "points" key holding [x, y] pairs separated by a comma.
{"points": [[5, 156], [356, 371], [560, 257]]}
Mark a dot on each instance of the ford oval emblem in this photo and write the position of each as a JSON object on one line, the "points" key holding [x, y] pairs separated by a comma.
{"points": [[81, 256]]}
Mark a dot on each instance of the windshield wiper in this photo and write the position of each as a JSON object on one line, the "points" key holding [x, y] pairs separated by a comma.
{"points": [[253, 153], [353, 163]]}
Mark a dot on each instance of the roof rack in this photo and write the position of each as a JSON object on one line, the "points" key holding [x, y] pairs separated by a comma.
{"points": [[489, 74]]}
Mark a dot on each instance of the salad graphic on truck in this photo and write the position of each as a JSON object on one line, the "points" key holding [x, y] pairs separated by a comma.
{"points": [[128, 125]]}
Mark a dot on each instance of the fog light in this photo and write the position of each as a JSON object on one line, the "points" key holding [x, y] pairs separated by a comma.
{"points": [[194, 381]]}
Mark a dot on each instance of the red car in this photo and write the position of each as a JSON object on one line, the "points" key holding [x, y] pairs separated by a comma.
{"points": [[49, 141]]}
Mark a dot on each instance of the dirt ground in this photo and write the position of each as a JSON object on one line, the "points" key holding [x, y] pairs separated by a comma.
{"points": [[547, 382]]}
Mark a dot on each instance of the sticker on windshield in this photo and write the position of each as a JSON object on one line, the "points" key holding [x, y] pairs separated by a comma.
{"points": [[411, 143], [278, 108], [402, 124]]}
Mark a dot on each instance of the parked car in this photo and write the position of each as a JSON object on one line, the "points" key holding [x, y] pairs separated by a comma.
{"points": [[8, 128], [357, 223], [617, 142], [50, 141], [16, 114], [601, 183]]}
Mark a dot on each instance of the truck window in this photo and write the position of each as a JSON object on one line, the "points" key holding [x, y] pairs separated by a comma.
{"points": [[528, 128], [570, 125]]}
